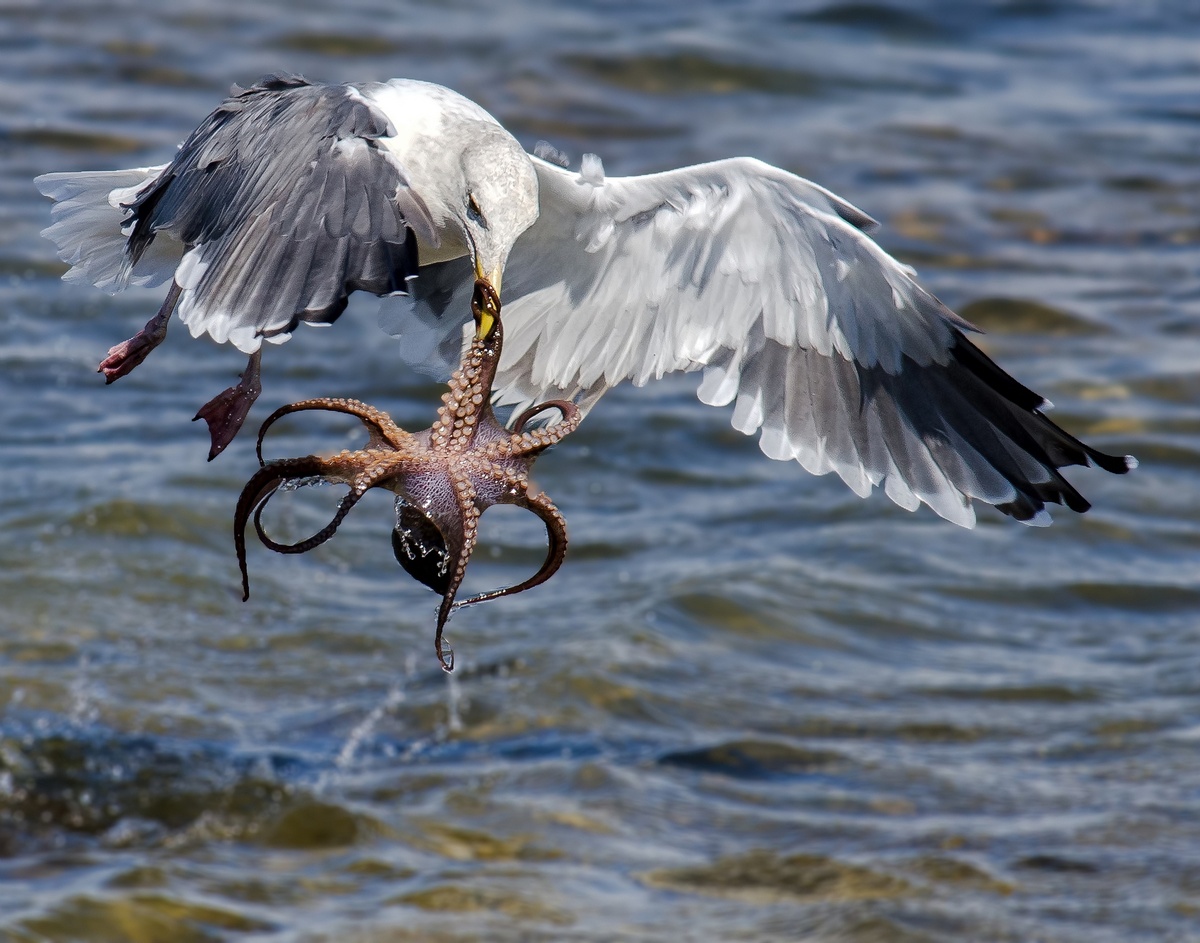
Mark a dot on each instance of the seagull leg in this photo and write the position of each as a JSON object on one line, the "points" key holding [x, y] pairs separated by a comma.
{"points": [[226, 411], [128, 354]]}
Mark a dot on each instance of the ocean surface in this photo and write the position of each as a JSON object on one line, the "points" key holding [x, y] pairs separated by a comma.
{"points": [[750, 706]]}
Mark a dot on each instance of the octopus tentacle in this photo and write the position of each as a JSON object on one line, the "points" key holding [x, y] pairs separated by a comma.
{"points": [[470, 389], [570, 416], [258, 490], [383, 430], [469, 511], [556, 549], [303, 546]]}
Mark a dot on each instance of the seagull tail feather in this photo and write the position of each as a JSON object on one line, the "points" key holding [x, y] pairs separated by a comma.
{"points": [[88, 217]]}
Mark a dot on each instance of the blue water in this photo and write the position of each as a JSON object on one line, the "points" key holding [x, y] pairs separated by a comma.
{"points": [[750, 706]]}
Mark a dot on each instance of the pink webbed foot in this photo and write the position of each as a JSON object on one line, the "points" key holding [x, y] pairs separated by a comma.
{"points": [[226, 411], [128, 354]]}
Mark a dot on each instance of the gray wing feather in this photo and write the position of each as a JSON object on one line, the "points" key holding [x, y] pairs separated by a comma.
{"points": [[821, 341], [285, 203]]}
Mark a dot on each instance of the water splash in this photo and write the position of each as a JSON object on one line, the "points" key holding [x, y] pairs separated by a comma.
{"points": [[84, 709], [365, 727], [454, 701], [312, 481]]}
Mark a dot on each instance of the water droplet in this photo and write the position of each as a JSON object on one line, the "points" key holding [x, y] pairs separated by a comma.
{"points": [[295, 484]]}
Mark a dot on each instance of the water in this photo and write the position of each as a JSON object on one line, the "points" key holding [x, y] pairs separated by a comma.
{"points": [[750, 706]]}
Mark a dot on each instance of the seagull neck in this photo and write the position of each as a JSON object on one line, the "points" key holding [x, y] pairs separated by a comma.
{"points": [[467, 404]]}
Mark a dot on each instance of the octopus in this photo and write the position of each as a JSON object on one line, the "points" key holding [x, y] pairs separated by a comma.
{"points": [[444, 477]]}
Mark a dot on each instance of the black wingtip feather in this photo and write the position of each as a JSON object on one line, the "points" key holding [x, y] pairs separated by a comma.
{"points": [[1012, 411], [1117, 464], [967, 355], [1061, 448]]}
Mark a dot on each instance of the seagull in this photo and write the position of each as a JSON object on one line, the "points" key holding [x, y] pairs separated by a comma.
{"points": [[292, 194]]}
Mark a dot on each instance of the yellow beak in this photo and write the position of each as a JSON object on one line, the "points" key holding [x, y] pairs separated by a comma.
{"points": [[488, 316]]}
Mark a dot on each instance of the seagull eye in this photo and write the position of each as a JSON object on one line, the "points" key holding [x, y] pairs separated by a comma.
{"points": [[474, 211]]}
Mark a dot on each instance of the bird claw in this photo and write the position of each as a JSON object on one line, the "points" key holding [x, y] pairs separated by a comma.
{"points": [[226, 412], [123, 357]]}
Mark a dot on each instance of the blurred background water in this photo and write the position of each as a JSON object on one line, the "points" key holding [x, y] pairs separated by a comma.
{"points": [[750, 706]]}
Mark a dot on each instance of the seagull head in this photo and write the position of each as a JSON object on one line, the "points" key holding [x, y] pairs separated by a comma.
{"points": [[499, 202]]}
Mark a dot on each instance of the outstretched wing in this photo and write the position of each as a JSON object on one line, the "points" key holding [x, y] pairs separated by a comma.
{"points": [[282, 202], [818, 337]]}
